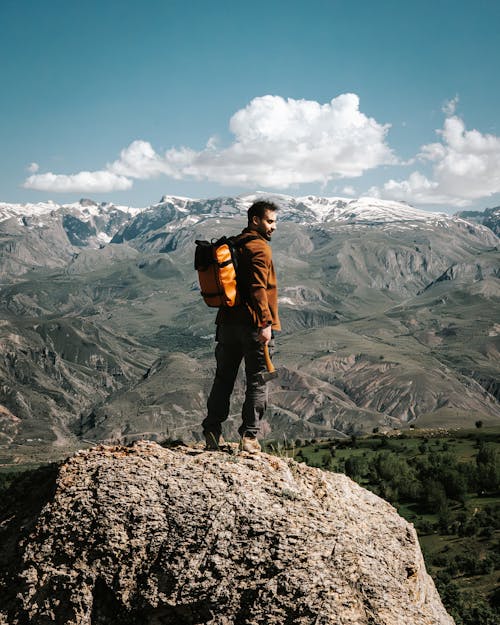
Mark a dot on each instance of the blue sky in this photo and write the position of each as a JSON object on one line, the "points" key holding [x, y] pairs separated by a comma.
{"points": [[128, 101]]}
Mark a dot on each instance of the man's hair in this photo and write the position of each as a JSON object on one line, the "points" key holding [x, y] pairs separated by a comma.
{"points": [[258, 209]]}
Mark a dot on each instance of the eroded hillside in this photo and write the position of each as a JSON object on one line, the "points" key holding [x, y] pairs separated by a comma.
{"points": [[390, 317]]}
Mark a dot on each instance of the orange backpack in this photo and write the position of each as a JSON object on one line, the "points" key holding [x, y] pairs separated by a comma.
{"points": [[217, 264]]}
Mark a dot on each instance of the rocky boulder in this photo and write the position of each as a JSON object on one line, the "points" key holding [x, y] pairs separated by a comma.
{"points": [[147, 535]]}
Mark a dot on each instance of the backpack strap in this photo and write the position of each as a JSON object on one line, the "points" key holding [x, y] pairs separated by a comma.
{"points": [[239, 243]]}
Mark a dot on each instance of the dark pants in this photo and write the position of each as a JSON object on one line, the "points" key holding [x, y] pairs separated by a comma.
{"points": [[235, 343]]}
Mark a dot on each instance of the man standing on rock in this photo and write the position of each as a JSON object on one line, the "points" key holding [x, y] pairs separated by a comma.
{"points": [[243, 330]]}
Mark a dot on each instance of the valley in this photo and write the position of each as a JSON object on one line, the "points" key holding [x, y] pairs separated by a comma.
{"points": [[390, 317]]}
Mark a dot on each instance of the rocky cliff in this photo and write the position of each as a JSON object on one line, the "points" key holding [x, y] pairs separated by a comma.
{"points": [[150, 535]]}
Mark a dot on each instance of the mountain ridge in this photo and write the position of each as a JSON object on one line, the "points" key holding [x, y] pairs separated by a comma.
{"points": [[318, 207]]}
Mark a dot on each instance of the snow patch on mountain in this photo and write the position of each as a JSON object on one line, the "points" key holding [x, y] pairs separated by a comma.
{"points": [[83, 209], [324, 208], [26, 210], [103, 237], [366, 209], [179, 201], [315, 209]]}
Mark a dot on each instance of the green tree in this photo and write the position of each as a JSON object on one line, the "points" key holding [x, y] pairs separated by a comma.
{"points": [[355, 467], [326, 461], [397, 475], [434, 497], [454, 484], [445, 518], [479, 614], [488, 468], [422, 448]]}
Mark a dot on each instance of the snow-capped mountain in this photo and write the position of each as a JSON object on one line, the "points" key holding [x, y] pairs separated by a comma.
{"points": [[490, 218], [307, 209], [373, 210], [85, 209], [157, 226], [8, 210], [64, 227], [48, 234], [86, 223]]}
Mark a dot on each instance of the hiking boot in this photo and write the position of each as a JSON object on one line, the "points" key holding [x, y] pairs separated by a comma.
{"points": [[213, 441], [250, 444]]}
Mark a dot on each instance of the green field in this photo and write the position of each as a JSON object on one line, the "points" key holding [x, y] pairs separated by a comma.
{"points": [[447, 483]]}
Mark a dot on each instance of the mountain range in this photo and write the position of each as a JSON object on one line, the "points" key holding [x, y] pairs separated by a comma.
{"points": [[490, 218], [390, 318]]}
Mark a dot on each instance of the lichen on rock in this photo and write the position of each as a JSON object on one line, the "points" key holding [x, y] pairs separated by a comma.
{"points": [[150, 535]]}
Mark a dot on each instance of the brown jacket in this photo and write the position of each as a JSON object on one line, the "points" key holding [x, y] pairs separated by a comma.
{"points": [[257, 283]]}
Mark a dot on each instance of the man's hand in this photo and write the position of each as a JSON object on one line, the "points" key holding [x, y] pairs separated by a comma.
{"points": [[264, 335]]}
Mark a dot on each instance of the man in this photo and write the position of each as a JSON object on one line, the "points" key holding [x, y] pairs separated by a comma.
{"points": [[242, 332]]}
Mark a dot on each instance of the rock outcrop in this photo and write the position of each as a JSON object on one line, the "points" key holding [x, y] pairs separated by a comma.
{"points": [[147, 535]]}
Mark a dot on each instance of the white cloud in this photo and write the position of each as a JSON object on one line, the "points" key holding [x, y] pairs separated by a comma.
{"points": [[83, 182], [416, 189], [33, 168], [349, 191], [466, 167], [277, 143], [139, 160]]}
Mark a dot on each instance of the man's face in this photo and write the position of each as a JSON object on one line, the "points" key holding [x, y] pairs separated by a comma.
{"points": [[265, 225]]}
